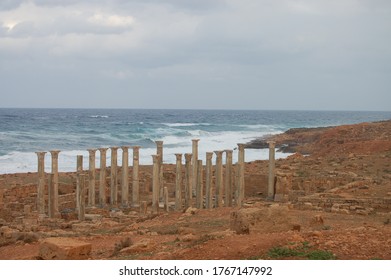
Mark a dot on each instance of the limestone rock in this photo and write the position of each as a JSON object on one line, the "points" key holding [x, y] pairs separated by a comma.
{"points": [[141, 246], [188, 237], [317, 220], [191, 211], [272, 219], [59, 248]]}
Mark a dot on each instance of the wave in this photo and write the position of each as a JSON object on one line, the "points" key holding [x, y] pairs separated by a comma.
{"points": [[186, 124], [99, 116]]}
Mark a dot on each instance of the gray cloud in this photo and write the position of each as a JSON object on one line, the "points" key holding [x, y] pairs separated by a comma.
{"points": [[232, 54]]}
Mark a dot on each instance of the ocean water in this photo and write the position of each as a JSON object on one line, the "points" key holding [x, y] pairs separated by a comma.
{"points": [[25, 131]]}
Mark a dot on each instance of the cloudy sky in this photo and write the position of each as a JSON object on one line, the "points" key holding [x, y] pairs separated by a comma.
{"points": [[207, 54]]}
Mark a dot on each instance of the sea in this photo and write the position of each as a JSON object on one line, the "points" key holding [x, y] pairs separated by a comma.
{"points": [[26, 131]]}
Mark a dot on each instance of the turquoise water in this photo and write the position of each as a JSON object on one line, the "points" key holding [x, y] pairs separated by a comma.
{"points": [[24, 131]]}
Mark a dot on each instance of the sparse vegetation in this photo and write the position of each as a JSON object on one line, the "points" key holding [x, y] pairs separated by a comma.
{"points": [[303, 252]]}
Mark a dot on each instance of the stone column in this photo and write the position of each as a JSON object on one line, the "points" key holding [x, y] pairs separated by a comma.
{"points": [[135, 177], [91, 178], [240, 175], [166, 202], [228, 178], [188, 181], [194, 163], [2, 194], [113, 177], [125, 177], [79, 163], [41, 183], [178, 183], [79, 169], [82, 200], [199, 193], [102, 177], [271, 181], [208, 181], [54, 154], [159, 153], [143, 208], [51, 195], [219, 178], [155, 184]]}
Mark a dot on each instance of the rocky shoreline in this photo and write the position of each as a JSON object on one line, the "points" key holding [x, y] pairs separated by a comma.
{"points": [[319, 139]]}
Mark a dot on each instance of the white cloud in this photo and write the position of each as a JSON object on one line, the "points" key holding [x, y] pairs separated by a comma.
{"points": [[111, 20]]}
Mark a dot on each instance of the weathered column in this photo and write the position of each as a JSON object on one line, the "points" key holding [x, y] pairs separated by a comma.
{"points": [[82, 200], [155, 184], [271, 181], [143, 208], [178, 183], [228, 178], [54, 154], [91, 178], [199, 193], [113, 177], [188, 181], [51, 195], [79, 163], [165, 195], [135, 177], [159, 153], [2, 194], [194, 163], [240, 175], [41, 183], [125, 177], [208, 181], [102, 177], [219, 178], [79, 169]]}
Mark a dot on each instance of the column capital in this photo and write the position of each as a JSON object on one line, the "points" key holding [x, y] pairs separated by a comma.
{"points": [[136, 148], [209, 155], [115, 148], [271, 143], [178, 156], [228, 152], [241, 146], [54, 153], [40, 153], [219, 153], [159, 143], [125, 148], [155, 158], [92, 151], [195, 140], [103, 149], [188, 156]]}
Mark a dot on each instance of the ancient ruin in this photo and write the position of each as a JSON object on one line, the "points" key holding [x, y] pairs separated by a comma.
{"points": [[297, 197]]}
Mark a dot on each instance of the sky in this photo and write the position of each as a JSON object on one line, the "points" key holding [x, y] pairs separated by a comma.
{"points": [[196, 54]]}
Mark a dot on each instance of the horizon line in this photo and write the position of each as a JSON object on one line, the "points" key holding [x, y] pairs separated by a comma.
{"points": [[198, 109]]}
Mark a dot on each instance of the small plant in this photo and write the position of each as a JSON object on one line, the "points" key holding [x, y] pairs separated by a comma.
{"points": [[326, 227], [302, 252], [320, 255], [280, 252]]}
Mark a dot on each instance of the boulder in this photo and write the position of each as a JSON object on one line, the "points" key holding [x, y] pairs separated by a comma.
{"points": [[60, 248], [272, 219]]}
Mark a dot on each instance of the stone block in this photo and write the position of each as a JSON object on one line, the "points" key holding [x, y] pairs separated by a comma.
{"points": [[272, 219], [59, 248]]}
